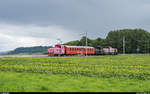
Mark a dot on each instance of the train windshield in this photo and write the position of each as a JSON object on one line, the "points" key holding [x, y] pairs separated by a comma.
{"points": [[58, 46]]}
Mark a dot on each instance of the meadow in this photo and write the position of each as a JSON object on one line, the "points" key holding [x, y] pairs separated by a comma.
{"points": [[120, 73]]}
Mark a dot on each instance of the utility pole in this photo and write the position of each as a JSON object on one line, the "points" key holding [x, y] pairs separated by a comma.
{"points": [[148, 46], [86, 43], [124, 45]]}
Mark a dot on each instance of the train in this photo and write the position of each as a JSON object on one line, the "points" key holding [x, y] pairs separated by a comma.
{"points": [[66, 50]]}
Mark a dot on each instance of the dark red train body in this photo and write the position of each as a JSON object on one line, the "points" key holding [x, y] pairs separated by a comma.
{"points": [[79, 50]]}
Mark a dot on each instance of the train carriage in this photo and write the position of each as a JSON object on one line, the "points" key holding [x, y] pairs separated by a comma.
{"points": [[79, 50]]}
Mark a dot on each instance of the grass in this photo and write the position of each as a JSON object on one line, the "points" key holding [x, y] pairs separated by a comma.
{"points": [[121, 73]]}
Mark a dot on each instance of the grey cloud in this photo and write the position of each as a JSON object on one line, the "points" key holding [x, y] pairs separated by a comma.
{"points": [[97, 17], [12, 36], [75, 14]]}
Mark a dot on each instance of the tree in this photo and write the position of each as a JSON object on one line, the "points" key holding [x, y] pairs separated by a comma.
{"points": [[74, 43], [83, 41], [134, 38]]}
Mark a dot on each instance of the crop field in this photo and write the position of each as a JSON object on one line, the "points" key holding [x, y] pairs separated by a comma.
{"points": [[120, 73]]}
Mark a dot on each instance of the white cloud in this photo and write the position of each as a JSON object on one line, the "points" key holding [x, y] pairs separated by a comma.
{"points": [[12, 36]]}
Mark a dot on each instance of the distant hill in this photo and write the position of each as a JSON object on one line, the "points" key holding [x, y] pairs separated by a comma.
{"points": [[4, 52], [30, 50]]}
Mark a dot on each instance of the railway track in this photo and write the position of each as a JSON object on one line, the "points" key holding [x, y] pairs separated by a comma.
{"points": [[21, 56], [31, 56]]}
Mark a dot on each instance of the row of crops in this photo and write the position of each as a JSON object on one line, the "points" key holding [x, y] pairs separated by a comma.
{"points": [[110, 66]]}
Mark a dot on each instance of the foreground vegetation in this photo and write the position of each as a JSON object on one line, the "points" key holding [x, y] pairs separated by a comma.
{"points": [[122, 73]]}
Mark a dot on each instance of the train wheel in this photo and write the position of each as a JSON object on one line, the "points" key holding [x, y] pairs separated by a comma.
{"points": [[51, 54]]}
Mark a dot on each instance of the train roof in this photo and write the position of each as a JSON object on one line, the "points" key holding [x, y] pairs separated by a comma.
{"points": [[78, 46]]}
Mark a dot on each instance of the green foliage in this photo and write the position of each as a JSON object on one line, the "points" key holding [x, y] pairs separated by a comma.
{"points": [[29, 82], [95, 43], [91, 67], [122, 73], [134, 38], [99, 42], [76, 43]]}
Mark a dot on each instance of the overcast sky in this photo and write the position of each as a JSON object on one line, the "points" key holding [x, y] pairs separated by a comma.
{"points": [[40, 22]]}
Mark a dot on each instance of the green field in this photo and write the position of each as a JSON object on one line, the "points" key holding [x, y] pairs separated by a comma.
{"points": [[120, 73]]}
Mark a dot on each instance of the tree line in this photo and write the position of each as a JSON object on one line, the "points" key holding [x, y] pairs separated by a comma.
{"points": [[135, 41]]}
